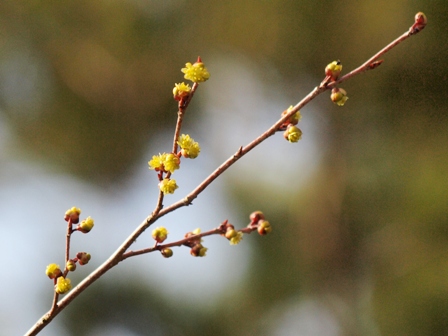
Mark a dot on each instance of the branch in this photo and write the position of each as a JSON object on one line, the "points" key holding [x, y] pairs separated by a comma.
{"points": [[120, 255]]}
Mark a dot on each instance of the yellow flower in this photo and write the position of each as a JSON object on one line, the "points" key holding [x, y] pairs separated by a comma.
{"points": [[189, 148], [86, 225], [73, 214], [292, 133], [171, 162], [168, 186], [156, 162], [333, 69], [181, 90], [264, 227], [196, 72], [160, 234], [339, 96], [236, 239], [198, 250], [53, 271], [63, 285]]}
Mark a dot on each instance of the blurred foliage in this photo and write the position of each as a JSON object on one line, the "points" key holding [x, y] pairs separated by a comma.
{"points": [[372, 221]]}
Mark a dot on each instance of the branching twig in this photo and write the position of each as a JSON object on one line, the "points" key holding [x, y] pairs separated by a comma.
{"points": [[120, 254]]}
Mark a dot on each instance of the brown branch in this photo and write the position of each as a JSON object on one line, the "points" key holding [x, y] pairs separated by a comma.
{"points": [[158, 212]]}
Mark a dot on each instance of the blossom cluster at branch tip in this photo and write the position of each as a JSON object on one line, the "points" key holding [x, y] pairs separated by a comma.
{"points": [[63, 285], [196, 72], [73, 215], [338, 96], [86, 225], [333, 69], [292, 133], [168, 186], [189, 148], [166, 162], [53, 271], [181, 91], [160, 234]]}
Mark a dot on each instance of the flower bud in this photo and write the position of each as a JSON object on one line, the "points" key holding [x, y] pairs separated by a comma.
{"points": [[256, 216], [73, 214], [71, 265], [86, 225], [419, 24], [292, 133], [198, 250], [264, 227], [338, 96], [167, 252], [333, 70], [83, 258]]}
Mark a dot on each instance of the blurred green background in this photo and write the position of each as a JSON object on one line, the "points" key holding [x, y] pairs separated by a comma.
{"points": [[360, 239]]}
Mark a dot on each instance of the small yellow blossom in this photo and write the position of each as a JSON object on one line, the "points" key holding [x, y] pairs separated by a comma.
{"points": [[339, 96], [196, 72], [236, 239], [160, 234], [333, 70], [292, 133], [63, 285], [156, 162], [181, 90], [171, 162], [86, 225], [189, 148], [73, 215], [196, 231], [168, 186], [53, 271]]}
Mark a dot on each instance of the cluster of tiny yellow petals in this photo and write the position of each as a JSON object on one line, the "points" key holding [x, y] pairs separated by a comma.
{"points": [[53, 271], [86, 225], [73, 215], [236, 239], [196, 72], [189, 148], [181, 90], [156, 162], [168, 186], [164, 162], [171, 162], [293, 133], [198, 250], [196, 231], [160, 234], [333, 69], [63, 285]]}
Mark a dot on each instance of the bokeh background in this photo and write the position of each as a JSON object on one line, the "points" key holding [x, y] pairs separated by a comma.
{"points": [[358, 207]]}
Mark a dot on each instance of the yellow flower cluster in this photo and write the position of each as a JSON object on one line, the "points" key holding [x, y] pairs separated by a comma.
{"points": [[181, 90], [168, 186], [160, 234], [63, 285], [189, 148], [164, 162], [196, 72]]}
